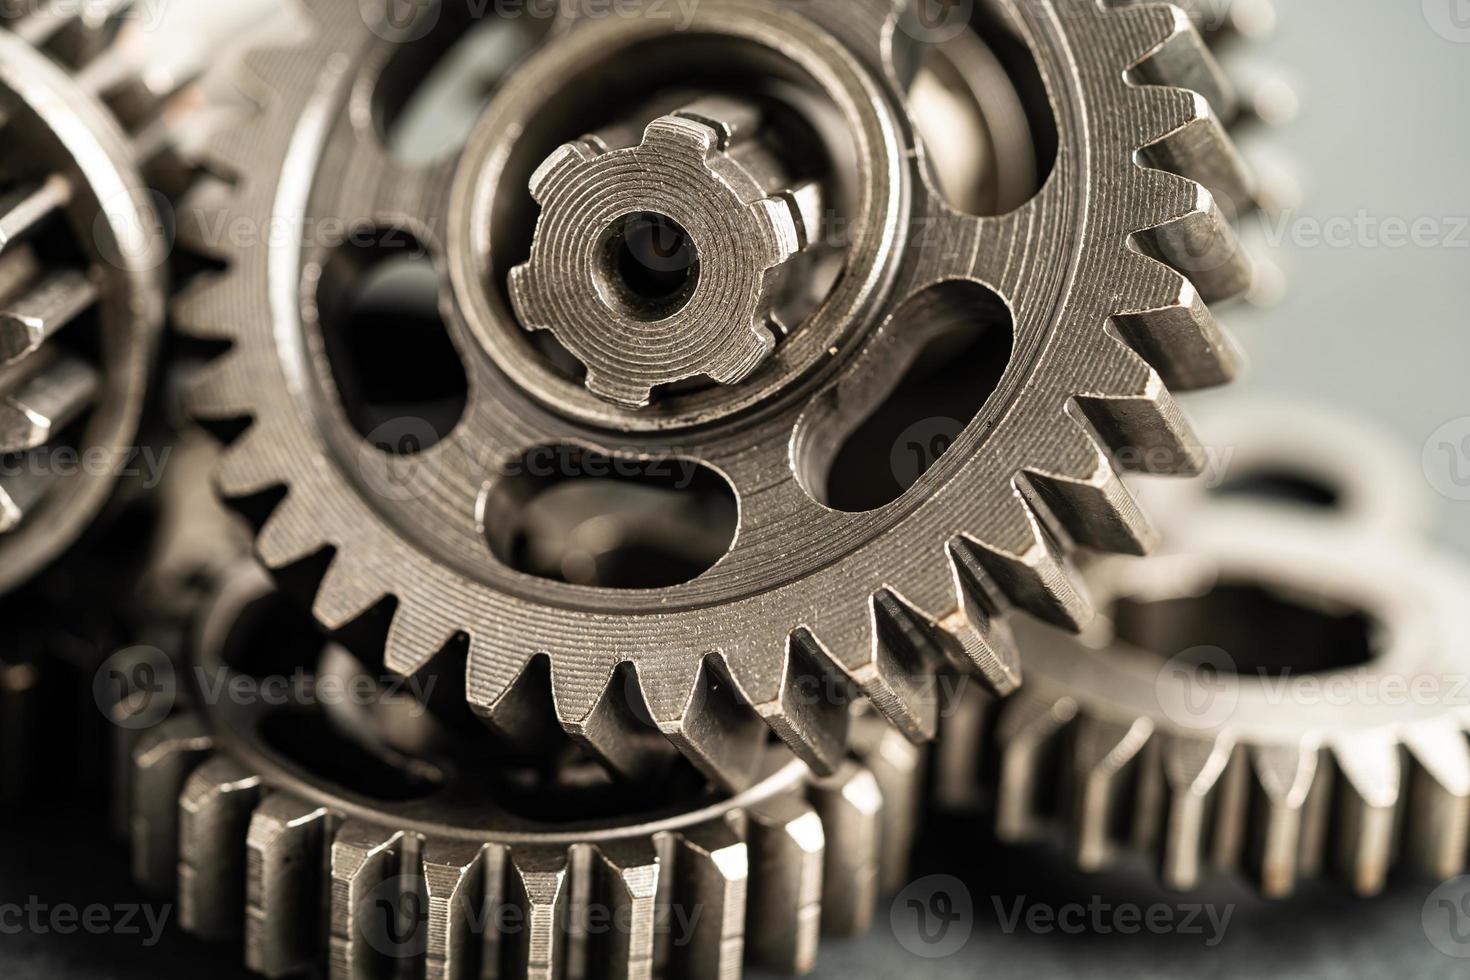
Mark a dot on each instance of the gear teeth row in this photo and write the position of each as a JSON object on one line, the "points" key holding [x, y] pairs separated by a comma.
{"points": [[766, 879], [1088, 752]]}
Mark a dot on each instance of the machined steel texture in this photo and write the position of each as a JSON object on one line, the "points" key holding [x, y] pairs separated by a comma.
{"points": [[233, 809], [82, 284], [1285, 698], [1101, 275], [1298, 457]]}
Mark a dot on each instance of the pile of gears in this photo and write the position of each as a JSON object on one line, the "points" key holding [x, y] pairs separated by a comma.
{"points": [[668, 453]]}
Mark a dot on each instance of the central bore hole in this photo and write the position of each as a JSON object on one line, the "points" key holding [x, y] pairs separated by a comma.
{"points": [[1264, 630], [649, 267]]}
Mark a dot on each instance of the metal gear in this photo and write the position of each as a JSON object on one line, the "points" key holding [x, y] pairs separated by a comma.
{"points": [[1219, 758], [82, 283], [241, 820], [1323, 465], [1105, 273]]}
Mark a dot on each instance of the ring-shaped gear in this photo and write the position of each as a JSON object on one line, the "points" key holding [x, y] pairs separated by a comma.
{"points": [[1210, 764], [232, 817], [83, 283], [873, 606]]}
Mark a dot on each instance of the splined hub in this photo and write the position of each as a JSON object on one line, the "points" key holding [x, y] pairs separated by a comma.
{"points": [[662, 262]]}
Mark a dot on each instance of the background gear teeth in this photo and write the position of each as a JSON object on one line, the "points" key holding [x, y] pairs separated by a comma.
{"points": [[988, 529], [225, 819], [1099, 749]]}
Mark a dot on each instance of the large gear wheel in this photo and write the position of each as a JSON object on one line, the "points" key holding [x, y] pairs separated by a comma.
{"points": [[1284, 698], [82, 279], [1103, 275], [235, 812]]}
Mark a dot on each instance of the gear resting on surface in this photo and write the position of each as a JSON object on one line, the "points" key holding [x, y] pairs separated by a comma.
{"points": [[1095, 288], [244, 812], [1281, 698]]}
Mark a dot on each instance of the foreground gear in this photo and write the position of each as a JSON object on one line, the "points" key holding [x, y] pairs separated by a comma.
{"points": [[1089, 297], [1284, 698], [259, 816]]}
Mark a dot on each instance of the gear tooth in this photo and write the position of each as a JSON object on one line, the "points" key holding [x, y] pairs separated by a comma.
{"points": [[979, 625], [612, 723], [1027, 736], [517, 701], [345, 593], [711, 876], [539, 886], [455, 889], [631, 873], [709, 721], [162, 761], [686, 133], [964, 751], [201, 309], [1106, 758], [1197, 147], [898, 766], [807, 705], [1367, 807], [291, 534], [1189, 233], [1193, 768], [1143, 430], [564, 161], [220, 390], [214, 816], [1036, 576], [244, 468], [1182, 60], [784, 921], [1438, 823], [1283, 779], [364, 863], [775, 214], [527, 301], [1171, 328], [851, 807], [900, 673], [1088, 497], [283, 887], [415, 637]]}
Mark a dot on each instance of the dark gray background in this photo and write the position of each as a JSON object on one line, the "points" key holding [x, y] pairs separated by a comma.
{"points": [[1377, 329]]}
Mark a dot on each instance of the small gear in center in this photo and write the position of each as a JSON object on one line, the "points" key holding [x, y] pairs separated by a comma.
{"points": [[663, 262]]}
